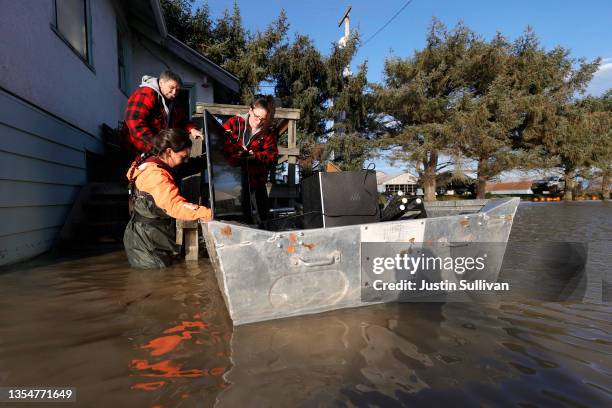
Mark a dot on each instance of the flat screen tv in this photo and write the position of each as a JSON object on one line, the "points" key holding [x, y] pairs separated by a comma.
{"points": [[227, 187]]}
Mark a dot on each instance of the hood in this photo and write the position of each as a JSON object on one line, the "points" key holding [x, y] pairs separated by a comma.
{"points": [[242, 130], [152, 82], [136, 170]]}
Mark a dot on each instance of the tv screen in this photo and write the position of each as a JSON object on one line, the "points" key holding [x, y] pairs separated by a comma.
{"points": [[226, 182]]}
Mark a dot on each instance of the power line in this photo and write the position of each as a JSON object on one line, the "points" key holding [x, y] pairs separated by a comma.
{"points": [[388, 22]]}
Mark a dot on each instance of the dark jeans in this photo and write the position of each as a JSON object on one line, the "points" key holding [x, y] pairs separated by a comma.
{"points": [[261, 202]]}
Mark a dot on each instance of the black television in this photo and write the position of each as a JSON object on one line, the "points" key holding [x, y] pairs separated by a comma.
{"points": [[226, 183]]}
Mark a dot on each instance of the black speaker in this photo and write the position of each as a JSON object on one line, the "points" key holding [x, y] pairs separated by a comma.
{"points": [[341, 198]]}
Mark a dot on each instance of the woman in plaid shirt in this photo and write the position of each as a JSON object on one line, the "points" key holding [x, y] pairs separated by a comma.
{"points": [[251, 143]]}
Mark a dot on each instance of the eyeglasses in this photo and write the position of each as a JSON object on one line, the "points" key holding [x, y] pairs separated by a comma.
{"points": [[258, 117]]}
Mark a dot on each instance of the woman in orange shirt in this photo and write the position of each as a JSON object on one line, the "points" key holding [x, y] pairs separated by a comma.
{"points": [[150, 236]]}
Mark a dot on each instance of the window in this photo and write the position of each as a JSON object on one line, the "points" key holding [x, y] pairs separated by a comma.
{"points": [[122, 58], [186, 98], [409, 189], [72, 24]]}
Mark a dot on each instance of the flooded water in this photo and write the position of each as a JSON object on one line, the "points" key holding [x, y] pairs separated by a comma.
{"points": [[128, 338]]}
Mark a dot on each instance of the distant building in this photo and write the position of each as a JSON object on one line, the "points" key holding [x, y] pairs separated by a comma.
{"points": [[66, 69], [405, 182], [381, 177], [595, 185], [510, 187]]}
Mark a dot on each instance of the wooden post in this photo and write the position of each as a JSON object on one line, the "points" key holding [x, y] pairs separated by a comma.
{"points": [[291, 144], [187, 231]]}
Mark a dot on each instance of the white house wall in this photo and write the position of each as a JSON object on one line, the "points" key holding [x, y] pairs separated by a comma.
{"points": [[38, 66], [149, 58], [42, 166], [51, 108]]}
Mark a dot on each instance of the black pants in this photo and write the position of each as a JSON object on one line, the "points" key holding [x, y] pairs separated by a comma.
{"points": [[260, 197], [263, 203]]}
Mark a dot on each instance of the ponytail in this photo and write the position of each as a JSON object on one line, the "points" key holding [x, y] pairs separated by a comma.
{"points": [[175, 139], [131, 179]]}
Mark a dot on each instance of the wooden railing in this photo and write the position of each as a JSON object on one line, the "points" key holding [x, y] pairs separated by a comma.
{"points": [[286, 122]]}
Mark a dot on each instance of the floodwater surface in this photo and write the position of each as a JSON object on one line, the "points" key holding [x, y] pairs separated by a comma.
{"points": [[129, 338]]}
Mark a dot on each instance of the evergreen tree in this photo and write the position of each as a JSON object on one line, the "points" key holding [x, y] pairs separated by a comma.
{"points": [[299, 74], [421, 93], [178, 18], [315, 83], [552, 124], [487, 113], [227, 43], [598, 121]]}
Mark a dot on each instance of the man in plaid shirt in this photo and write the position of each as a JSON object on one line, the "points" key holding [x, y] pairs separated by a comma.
{"points": [[151, 108], [251, 142]]}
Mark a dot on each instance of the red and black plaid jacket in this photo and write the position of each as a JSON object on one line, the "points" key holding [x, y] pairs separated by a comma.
{"points": [[263, 146], [145, 117]]}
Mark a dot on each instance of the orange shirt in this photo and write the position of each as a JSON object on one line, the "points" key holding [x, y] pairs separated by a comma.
{"points": [[159, 183]]}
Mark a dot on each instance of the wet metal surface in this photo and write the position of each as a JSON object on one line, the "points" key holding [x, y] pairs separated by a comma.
{"points": [[143, 339], [317, 270]]}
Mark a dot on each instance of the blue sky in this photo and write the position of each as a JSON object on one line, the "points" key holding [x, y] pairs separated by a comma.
{"points": [[584, 27]]}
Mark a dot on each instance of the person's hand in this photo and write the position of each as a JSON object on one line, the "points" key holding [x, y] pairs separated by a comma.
{"points": [[196, 133], [207, 215]]}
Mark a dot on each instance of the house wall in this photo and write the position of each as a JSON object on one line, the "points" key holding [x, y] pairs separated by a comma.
{"points": [[150, 58], [52, 105], [42, 166], [38, 66], [51, 108]]}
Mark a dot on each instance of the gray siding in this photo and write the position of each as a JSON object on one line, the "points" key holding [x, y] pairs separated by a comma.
{"points": [[42, 166]]}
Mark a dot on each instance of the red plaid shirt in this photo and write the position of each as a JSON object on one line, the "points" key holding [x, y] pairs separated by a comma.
{"points": [[145, 117], [263, 146]]}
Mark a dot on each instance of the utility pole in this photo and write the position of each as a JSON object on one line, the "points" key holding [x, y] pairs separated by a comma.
{"points": [[346, 72], [347, 33]]}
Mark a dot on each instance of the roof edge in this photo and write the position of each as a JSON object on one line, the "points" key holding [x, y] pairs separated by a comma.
{"points": [[193, 57], [158, 13], [189, 55]]}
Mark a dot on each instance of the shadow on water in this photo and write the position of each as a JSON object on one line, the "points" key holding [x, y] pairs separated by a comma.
{"points": [[60, 255], [126, 337]]}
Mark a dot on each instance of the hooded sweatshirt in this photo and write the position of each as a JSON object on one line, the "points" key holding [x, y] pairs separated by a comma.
{"points": [[148, 112], [262, 143], [152, 82]]}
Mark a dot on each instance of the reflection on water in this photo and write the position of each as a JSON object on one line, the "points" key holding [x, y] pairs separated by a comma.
{"points": [[120, 336], [426, 354], [140, 338]]}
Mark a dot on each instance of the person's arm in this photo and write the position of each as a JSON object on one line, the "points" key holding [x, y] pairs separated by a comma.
{"points": [[137, 114], [193, 166], [183, 123], [233, 149], [160, 185], [269, 151]]}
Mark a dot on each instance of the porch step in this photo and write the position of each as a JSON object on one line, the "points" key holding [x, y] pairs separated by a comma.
{"points": [[100, 214]]}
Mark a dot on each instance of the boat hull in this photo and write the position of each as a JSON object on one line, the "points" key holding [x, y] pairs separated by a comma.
{"points": [[267, 275]]}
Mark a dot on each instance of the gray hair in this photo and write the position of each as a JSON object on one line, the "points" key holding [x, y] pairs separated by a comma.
{"points": [[168, 75]]}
